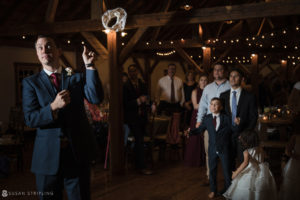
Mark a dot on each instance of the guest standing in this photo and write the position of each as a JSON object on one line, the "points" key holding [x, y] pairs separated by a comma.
{"points": [[240, 105], [170, 94], [188, 87], [135, 114], [195, 152]]}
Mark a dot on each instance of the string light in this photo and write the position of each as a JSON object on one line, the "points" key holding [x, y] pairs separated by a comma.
{"points": [[191, 56], [272, 34], [297, 28], [82, 42], [23, 37], [171, 42], [285, 46], [253, 38], [284, 31], [249, 44], [247, 39], [273, 46], [123, 43], [224, 41], [296, 47], [123, 34], [165, 53], [263, 37], [68, 41], [159, 42], [204, 47]]}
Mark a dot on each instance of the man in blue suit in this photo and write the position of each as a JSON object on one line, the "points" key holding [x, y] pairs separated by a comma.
{"points": [[219, 130], [53, 103]]}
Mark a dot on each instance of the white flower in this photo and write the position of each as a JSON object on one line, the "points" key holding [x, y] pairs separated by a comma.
{"points": [[69, 71]]}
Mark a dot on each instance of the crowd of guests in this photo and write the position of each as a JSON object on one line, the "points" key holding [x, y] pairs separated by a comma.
{"points": [[221, 117]]}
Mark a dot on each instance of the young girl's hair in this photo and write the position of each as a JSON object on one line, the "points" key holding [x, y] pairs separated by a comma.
{"points": [[249, 139]]}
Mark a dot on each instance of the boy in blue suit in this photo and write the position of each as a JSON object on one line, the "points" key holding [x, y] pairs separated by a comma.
{"points": [[53, 103], [218, 126]]}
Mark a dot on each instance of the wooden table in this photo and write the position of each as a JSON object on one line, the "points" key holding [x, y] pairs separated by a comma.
{"points": [[280, 124]]}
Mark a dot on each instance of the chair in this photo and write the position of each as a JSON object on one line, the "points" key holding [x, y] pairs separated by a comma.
{"points": [[14, 139]]}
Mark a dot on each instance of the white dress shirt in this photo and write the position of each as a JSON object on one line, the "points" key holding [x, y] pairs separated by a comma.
{"points": [[217, 120], [56, 71], [164, 90], [238, 94]]}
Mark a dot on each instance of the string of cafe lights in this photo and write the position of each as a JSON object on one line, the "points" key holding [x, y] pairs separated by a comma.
{"points": [[251, 41], [166, 53]]}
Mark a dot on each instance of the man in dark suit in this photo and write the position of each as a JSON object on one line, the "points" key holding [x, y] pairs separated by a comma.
{"points": [[135, 114], [218, 126], [241, 106], [53, 103]]}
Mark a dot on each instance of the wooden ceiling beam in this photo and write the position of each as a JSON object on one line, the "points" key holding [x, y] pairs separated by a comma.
{"points": [[244, 69], [264, 64], [132, 42], [187, 58], [51, 10], [96, 9], [204, 15], [96, 44], [224, 54], [65, 61]]}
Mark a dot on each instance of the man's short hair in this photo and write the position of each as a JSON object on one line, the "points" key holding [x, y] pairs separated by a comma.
{"points": [[171, 64], [221, 64], [235, 69], [131, 66], [48, 36]]}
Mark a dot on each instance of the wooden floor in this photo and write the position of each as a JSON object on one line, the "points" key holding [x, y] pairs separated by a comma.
{"points": [[171, 181]]}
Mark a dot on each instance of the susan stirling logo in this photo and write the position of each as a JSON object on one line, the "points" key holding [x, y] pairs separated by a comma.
{"points": [[4, 193]]}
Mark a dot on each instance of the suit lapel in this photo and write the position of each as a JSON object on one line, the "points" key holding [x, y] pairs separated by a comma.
{"points": [[65, 80], [221, 122], [44, 79], [242, 96], [228, 102]]}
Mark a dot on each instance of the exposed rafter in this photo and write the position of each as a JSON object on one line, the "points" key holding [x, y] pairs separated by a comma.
{"points": [[187, 58], [204, 15], [135, 38], [51, 10]]}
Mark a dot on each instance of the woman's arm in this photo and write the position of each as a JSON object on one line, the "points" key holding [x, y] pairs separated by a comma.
{"points": [[194, 99], [243, 165]]}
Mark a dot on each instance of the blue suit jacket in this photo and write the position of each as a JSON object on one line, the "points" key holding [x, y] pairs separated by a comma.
{"points": [[71, 121], [219, 140]]}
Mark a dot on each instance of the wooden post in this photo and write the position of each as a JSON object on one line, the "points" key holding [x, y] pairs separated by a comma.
{"points": [[254, 77], [284, 70], [115, 107], [206, 58]]}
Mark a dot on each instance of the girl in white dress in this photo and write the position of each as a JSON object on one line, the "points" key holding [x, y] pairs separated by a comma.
{"points": [[291, 172], [252, 180]]}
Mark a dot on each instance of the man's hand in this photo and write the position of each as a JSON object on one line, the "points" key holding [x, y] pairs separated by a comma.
{"points": [[153, 108], [198, 124], [187, 132], [61, 100], [237, 120], [143, 98], [88, 57], [187, 105]]}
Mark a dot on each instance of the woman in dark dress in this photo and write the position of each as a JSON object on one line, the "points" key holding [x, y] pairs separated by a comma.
{"points": [[195, 152], [188, 87]]}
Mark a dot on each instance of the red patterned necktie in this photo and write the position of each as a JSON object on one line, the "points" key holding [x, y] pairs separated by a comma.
{"points": [[55, 80]]}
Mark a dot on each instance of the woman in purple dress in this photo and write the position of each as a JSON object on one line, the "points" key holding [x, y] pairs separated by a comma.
{"points": [[194, 152]]}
